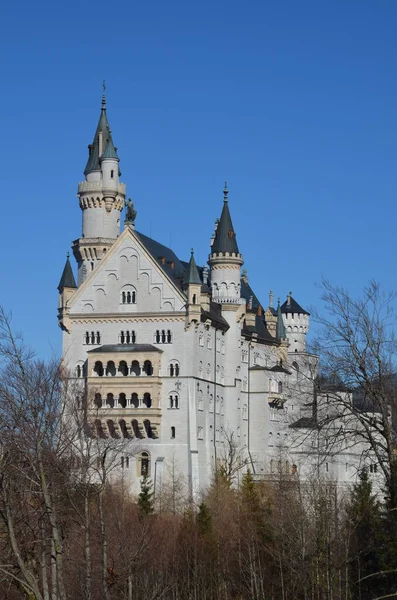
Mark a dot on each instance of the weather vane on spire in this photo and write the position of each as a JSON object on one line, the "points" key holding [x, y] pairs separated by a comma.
{"points": [[104, 86]]}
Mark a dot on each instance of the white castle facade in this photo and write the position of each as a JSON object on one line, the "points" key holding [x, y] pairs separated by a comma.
{"points": [[179, 360]]}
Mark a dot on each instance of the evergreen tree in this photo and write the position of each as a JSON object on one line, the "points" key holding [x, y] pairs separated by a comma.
{"points": [[146, 497], [365, 516], [204, 519]]}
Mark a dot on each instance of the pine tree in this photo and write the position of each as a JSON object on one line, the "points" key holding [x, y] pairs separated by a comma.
{"points": [[204, 519], [146, 497], [365, 516]]}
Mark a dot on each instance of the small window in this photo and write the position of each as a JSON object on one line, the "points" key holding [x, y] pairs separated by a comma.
{"points": [[200, 433], [112, 174], [172, 433], [145, 464]]}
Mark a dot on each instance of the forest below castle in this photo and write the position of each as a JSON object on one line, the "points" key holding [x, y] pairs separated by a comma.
{"points": [[71, 529]]}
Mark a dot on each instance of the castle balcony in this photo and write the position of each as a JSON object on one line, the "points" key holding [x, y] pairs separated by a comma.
{"points": [[96, 186], [276, 399], [117, 424]]}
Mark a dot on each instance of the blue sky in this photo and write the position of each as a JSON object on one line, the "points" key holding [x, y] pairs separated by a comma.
{"points": [[293, 103]]}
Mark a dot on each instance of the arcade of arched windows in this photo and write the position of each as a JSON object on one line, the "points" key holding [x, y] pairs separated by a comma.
{"points": [[127, 429], [92, 338], [162, 336], [123, 369], [122, 400], [174, 400], [127, 337]]}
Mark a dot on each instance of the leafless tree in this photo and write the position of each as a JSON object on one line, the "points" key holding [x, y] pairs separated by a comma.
{"points": [[356, 388]]}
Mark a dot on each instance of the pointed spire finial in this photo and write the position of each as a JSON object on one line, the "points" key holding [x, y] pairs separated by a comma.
{"points": [[225, 192], [278, 302], [67, 255], [104, 94], [191, 251], [289, 298]]}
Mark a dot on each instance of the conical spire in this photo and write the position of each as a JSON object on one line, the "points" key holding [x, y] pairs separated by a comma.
{"points": [[192, 275], [95, 152], [225, 238], [110, 150], [67, 279], [281, 333]]}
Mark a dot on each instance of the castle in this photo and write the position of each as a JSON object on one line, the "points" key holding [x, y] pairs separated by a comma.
{"points": [[179, 360]]}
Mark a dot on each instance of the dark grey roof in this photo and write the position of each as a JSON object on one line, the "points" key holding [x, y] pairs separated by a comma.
{"points": [[215, 316], [280, 369], [260, 330], [225, 238], [110, 150], [67, 278], [247, 293], [291, 306], [112, 348], [304, 423], [160, 252], [192, 275], [103, 125]]}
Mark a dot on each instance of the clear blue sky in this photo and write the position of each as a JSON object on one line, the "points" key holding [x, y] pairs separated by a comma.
{"points": [[293, 103]]}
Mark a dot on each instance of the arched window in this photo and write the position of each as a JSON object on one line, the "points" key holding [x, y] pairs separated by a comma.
{"points": [[176, 370], [123, 297], [127, 337], [122, 400], [110, 401], [98, 368], [123, 368], [147, 400], [201, 339], [169, 336], [211, 403], [128, 295], [87, 337], [111, 369], [157, 337], [147, 367], [172, 432], [217, 405], [134, 400], [98, 337], [144, 460], [122, 337], [171, 370], [163, 336], [135, 368], [98, 400], [200, 433], [280, 387]]}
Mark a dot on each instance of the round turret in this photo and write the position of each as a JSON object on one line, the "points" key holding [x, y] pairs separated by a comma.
{"points": [[296, 321]]}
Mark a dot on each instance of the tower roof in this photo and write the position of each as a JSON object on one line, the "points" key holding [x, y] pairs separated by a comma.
{"points": [[110, 150], [67, 278], [103, 126], [225, 237], [192, 275], [281, 334], [291, 306]]}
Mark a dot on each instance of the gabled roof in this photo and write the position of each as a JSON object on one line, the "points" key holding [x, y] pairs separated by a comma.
{"points": [[67, 278], [225, 237], [103, 125], [192, 275], [166, 258], [291, 306]]}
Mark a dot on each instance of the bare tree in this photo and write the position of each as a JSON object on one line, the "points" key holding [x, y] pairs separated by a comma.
{"points": [[357, 383]]}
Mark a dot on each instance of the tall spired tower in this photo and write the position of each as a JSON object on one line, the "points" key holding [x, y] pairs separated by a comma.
{"points": [[102, 198]]}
